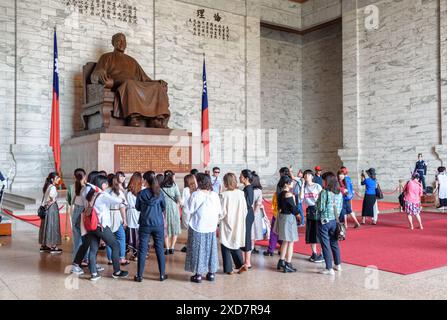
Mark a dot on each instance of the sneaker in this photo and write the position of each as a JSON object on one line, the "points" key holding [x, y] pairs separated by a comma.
{"points": [[312, 257], [45, 249], [77, 270], [137, 279], [255, 251], [171, 251], [56, 250], [328, 272], [95, 277], [338, 268], [120, 274], [319, 259], [268, 254], [99, 268]]}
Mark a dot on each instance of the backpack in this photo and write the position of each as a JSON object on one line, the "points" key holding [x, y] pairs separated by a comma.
{"points": [[90, 219]]}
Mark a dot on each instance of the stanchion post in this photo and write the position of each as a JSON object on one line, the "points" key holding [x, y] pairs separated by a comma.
{"points": [[400, 191], [67, 216]]}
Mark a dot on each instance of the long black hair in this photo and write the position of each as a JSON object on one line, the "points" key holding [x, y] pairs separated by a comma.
{"points": [[49, 181], [256, 183], [99, 181], [168, 180], [92, 176], [247, 174], [152, 183], [79, 175]]}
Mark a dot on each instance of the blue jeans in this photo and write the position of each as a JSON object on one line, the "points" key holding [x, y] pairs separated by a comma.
{"points": [[329, 243], [76, 231], [157, 234], [300, 209], [120, 236]]}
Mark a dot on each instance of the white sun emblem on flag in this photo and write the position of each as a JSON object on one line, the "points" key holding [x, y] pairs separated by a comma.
{"points": [[56, 65], [204, 86]]}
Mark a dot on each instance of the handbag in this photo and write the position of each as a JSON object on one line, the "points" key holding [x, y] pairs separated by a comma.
{"points": [[43, 209], [379, 193], [402, 197], [340, 230]]}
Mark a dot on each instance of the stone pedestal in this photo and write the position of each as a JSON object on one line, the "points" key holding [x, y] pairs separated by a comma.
{"points": [[130, 149]]}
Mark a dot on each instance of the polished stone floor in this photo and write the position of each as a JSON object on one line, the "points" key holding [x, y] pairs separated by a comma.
{"points": [[27, 274]]}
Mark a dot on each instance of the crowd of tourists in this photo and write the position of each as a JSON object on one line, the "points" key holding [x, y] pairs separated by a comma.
{"points": [[126, 218]]}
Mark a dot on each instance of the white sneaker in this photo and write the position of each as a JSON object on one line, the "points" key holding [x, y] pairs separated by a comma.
{"points": [[338, 268], [77, 270], [327, 272]]}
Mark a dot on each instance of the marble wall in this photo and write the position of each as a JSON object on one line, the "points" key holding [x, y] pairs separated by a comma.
{"points": [[281, 93], [392, 100], [382, 104], [322, 98]]}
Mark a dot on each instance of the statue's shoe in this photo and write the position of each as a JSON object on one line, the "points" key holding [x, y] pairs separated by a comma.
{"points": [[134, 122]]}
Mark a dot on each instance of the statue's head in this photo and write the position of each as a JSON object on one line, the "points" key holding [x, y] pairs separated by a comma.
{"points": [[119, 42]]}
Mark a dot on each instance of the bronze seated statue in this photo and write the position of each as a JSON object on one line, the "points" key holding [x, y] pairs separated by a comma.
{"points": [[117, 92]]}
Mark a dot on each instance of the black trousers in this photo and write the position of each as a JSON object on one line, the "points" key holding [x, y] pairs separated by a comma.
{"points": [[229, 256], [92, 240], [157, 234]]}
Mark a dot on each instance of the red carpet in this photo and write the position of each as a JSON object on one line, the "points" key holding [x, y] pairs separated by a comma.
{"points": [[391, 246]]}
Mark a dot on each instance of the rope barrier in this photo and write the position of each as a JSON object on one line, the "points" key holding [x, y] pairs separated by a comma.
{"points": [[9, 213]]}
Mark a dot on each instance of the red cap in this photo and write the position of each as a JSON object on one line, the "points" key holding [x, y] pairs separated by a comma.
{"points": [[318, 168]]}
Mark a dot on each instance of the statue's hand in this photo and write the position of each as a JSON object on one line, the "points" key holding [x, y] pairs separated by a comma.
{"points": [[164, 83], [108, 83]]}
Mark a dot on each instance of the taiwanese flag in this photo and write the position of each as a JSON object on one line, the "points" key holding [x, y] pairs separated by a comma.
{"points": [[205, 121], [55, 139]]}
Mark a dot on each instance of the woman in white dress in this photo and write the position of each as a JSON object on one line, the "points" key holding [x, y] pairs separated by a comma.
{"points": [[258, 208], [232, 224], [441, 188], [189, 188], [132, 214]]}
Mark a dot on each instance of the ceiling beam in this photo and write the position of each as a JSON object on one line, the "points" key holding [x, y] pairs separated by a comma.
{"points": [[301, 32]]}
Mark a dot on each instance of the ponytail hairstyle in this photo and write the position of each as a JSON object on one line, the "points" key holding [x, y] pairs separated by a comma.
{"points": [[49, 181], [152, 182], [79, 175], [247, 174], [110, 178]]}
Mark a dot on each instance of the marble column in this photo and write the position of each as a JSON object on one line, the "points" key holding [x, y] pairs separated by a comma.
{"points": [[441, 149], [350, 153]]}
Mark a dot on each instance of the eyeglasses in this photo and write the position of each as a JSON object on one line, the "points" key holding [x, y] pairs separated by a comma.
{"points": [[217, 172]]}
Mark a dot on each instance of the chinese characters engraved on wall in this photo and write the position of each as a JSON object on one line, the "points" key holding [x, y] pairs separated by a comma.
{"points": [[212, 28], [107, 9]]}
